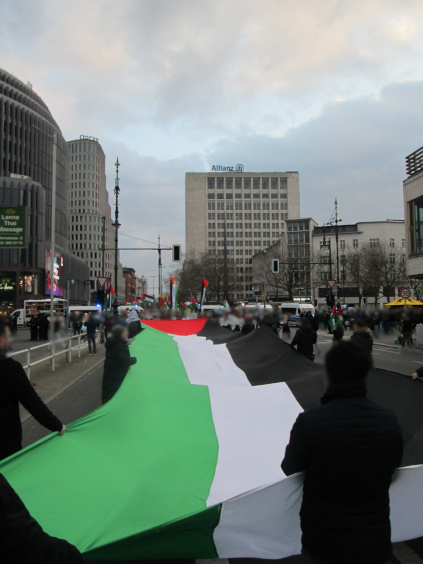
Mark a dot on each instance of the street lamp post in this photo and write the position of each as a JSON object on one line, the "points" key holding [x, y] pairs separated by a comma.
{"points": [[53, 236], [153, 277], [116, 226]]}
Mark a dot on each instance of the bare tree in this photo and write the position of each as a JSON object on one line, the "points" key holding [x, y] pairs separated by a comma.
{"points": [[219, 273], [295, 265]]}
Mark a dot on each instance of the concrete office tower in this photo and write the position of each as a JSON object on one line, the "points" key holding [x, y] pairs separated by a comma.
{"points": [[248, 210], [88, 204], [26, 149]]}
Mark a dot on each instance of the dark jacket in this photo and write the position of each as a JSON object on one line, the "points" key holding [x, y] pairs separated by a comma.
{"points": [[407, 326], [14, 388], [91, 325], [363, 338], [304, 338], [22, 540], [117, 363], [349, 448]]}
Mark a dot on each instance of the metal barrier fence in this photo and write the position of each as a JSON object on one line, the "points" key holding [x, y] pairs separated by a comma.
{"points": [[52, 346]]}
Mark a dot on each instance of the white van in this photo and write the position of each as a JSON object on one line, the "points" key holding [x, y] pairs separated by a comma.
{"points": [[295, 309], [20, 314]]}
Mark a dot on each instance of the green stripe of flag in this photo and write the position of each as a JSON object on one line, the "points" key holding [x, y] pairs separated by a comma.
{"points": [[142, 464]]}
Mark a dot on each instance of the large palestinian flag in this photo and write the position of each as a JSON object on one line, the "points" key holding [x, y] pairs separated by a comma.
{"points": [[184, 461]]}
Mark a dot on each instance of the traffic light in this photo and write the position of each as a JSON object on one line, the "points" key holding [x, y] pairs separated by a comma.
{"points": [[176, 253], [275, 266]]}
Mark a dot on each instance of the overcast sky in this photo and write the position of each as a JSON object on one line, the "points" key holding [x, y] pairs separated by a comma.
{"points": [[330, 88]]}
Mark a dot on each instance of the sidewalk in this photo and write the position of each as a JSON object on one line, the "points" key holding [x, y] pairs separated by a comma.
{"points": [[49, 384]]}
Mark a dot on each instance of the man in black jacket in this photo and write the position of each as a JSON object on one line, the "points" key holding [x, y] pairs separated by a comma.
{"points": [[22, 540], [304, 339], [349, 448], [14, 388], [117, 363], [92, 324]]}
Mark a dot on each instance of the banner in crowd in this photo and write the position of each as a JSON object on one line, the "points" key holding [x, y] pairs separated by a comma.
{"points": [[184, 461]]}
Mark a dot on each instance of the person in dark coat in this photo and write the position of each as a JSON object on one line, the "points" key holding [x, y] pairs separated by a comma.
{"points": [[33, 327], [117, 363], [43, 327], [247, 327], [407, 330], [362, 335], [92, 324], [22, 540], [304, 339], [15, 388], [349, 448]]}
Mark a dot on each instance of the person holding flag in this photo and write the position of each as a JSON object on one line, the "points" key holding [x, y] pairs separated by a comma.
{"points": [[335, 322], [111, 296]]}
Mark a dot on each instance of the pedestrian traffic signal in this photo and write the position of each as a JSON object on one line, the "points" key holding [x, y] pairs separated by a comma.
{"points": [[176, 253], [275, 266], [100, 297]]}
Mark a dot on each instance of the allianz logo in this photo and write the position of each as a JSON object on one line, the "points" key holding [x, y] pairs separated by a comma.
{"points": [[220, 168]]}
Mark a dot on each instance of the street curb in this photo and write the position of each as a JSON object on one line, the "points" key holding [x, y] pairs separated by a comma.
{"points": [[64, 388]]}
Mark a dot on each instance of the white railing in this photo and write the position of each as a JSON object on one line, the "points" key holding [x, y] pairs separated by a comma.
{"points": [[52, 355]]}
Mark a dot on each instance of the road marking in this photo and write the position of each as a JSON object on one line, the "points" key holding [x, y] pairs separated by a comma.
{"points": [[390, 352], [418, 361], [405, 554]]}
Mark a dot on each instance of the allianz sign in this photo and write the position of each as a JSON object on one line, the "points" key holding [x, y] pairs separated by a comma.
{"points": [[220, 168]]}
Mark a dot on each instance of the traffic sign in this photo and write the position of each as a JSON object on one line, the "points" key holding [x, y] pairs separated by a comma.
{"points": [[331, 284], [102, 280], [405, 293]]}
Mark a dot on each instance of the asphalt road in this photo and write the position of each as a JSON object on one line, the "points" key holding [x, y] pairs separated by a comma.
{"points": [[85, 396]]}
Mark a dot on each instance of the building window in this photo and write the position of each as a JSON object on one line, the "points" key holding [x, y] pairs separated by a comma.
{"points": [[256, 196], [283, 183], [392, 242], [238, 183], [415, 216], [247, 183], [374, 242], [355, 243], [392, 258], [211, 196], [211, 206], [229, 183], [274, 184], [256, 183], [403, 243], [220, 196], [342, 244], [210, 183], [220, 183], [265, 184]]}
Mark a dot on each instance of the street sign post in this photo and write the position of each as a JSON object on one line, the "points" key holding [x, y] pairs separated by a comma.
{"points": [[405, 293], [331, 284], [101, 281]]}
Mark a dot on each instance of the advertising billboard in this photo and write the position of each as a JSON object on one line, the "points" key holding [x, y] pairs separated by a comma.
{"points": [[57, 274], [12, 227]]}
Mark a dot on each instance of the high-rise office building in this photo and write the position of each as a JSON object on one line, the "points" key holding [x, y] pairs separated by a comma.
{"points": [[88, 205], [238, 213], [26, 150]]}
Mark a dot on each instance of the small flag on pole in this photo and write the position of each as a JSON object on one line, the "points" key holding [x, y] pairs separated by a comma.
{"points": [[203, 293]]}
